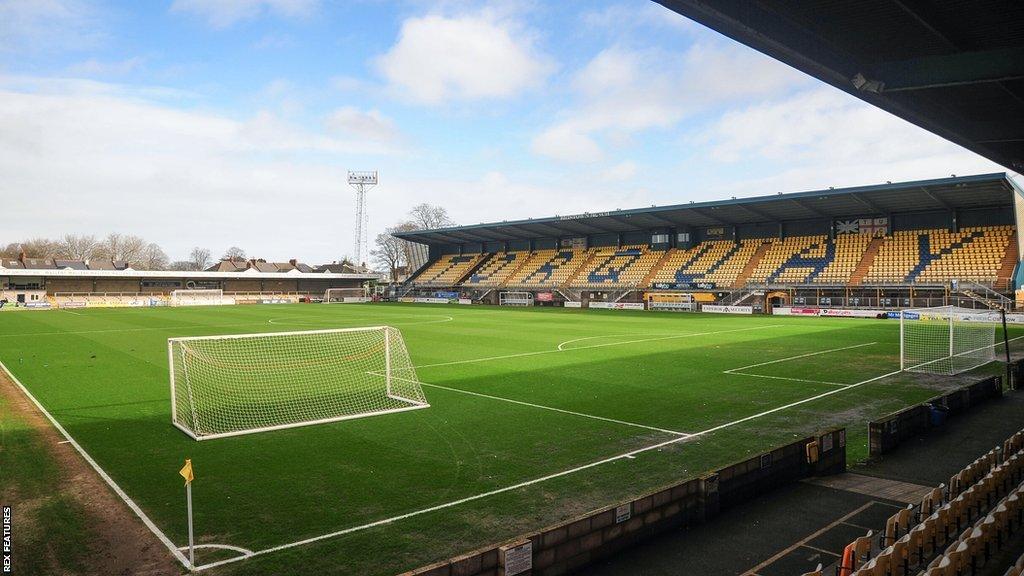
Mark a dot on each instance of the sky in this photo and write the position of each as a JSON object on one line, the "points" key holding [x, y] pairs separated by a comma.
{"points": [[219, 123]]}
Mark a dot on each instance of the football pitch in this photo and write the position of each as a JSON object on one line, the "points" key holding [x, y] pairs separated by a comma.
{"points": [[536, 415]]}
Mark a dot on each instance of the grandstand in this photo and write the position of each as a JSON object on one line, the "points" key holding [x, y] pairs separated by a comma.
{"points": [[55, 283], [879, 246]]}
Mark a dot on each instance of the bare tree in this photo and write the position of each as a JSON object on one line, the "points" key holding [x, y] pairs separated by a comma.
{"points": [[428, 217], [127, 248], [181, 266], [39, 248], [153, 258], [388, 252], [199, 258], [78, 247], [233, 253], [11, 250]]}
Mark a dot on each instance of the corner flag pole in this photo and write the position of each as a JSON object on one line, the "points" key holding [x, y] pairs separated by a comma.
{"points": [[1006, 345], [186, 473]]}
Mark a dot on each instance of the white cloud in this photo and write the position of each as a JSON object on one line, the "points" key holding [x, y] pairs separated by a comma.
{"points": [[94, 67], [621, 171], [468, 57], [823, 137], [620, 18], [563, 142], [43, 25], [86, 157], [622, 91], [370, 125], [225, 13]]}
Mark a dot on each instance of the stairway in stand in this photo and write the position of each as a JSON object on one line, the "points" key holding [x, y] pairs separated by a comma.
{"points": [[1009, 263], [583, 269], [519, 266], [653, 272], [866, 261], [744, 275]]}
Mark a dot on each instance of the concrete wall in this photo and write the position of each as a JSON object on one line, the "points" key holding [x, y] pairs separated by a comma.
{"points": [[572, 545], [886, 433]]}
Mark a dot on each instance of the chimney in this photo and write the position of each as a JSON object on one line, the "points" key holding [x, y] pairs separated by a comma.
{"points": [[294, 263]]}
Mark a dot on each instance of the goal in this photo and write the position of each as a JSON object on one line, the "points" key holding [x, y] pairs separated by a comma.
{"points": [[515, 298], [946, 339], [204, 297], [336, 295], [240, 384]]}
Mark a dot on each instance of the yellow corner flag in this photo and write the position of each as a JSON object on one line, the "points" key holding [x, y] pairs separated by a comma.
{"points": [[186, 471]]}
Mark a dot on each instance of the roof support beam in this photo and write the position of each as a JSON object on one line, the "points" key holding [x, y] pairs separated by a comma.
{"points": [[811, 209], [704, 213], [946, 70], [938, 201], [869, 204], [756, 212]]}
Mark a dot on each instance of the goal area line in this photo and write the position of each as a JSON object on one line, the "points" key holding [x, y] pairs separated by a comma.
{"points": [[192, 435]]}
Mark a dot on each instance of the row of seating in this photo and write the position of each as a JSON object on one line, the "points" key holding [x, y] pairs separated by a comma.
{"points": [[955, 528], [447, 271], [919, 256], [925, 256]]}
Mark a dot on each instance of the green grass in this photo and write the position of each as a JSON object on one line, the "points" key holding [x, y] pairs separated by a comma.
{"points": [[49, 530], [103, 374]]}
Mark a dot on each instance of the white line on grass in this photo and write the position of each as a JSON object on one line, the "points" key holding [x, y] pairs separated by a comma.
{"points": [[553, 409], [115, 330], [818, 353], [556, 350], [738, 371], [110, 481], [789, 379], [561, 345]]}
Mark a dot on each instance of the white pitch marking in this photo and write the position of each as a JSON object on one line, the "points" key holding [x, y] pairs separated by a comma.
{"points": [[788, 379], [556, 350], [553, 409], [818, 353], [737, 371], [115, 330], [562, 344]]}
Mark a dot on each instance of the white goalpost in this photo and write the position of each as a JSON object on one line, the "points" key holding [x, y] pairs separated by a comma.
{"points": [[946, 339], [197, 297], [515, 298], [345, 295], [240, 384]]}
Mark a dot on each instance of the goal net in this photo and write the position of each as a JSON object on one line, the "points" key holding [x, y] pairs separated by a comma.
{"points": [[515, 298], [336, 295], [946, 339], [239, 384], [205, 297]]}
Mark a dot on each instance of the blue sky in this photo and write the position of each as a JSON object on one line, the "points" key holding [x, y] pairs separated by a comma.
{"points": [[233, 122]]}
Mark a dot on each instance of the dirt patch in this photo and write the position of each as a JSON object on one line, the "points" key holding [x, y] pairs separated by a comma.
{"points": [[119, 544]]}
